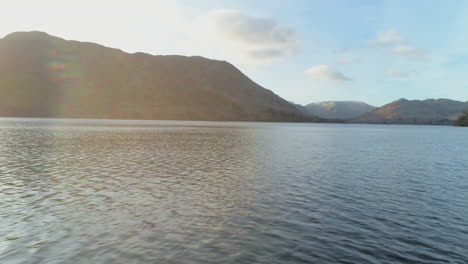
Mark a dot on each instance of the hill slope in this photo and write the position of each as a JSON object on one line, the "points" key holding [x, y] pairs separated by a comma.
{"points": [[402, 111], [46, 76], [462, 120], [339, 109]]}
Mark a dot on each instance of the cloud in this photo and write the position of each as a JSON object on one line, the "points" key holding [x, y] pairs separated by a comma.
{"points": [[408, 51], [323, 72], [268, 53], [349, 60], [388, 37], [400, 74], [254, 30], [396, 45], [258, 38]]}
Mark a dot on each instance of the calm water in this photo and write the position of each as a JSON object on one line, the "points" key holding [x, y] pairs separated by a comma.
{"points": [[198, 192]]}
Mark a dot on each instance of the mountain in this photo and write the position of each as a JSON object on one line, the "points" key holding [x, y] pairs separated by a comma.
{"points": [[339, 109], [46, 76], [402, 111], [462, 120]]}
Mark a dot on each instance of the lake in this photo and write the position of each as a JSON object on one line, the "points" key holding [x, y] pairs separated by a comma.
{"points": [[110, 191]]}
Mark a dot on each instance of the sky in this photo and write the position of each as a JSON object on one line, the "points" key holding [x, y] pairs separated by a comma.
{"points": [[306, 51]]}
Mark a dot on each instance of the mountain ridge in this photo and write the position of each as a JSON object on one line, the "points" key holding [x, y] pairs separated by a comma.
{"points": [[47, 76], [339, 109], [426, 112]]}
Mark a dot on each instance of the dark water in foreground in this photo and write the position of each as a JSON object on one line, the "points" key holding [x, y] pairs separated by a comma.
{"points": [[194, 192]]}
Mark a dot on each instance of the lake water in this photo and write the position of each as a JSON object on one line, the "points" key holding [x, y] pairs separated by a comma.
{"points": [[89, 191]]}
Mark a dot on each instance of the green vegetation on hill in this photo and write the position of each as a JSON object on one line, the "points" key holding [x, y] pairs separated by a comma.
{"points": [[462, 120]]}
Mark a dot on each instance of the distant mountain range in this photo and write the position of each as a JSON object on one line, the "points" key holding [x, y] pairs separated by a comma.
{"points": [[46, 76], [402, 111], [339, 109]]}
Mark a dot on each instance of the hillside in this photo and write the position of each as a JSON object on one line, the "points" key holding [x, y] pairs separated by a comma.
{"points": [[402, 111], [46, 76], [462, 120], [339, 109]]}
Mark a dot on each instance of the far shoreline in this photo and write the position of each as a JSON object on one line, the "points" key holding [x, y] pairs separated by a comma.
{"points": [[151, 122]]}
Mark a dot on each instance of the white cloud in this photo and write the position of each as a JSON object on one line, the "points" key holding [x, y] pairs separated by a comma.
{"points": [[323, 72], [388, 38], [248, 37], [396, 45], [256, 31], [268, 53], [400, 74], [349, 60], [408, 51]]}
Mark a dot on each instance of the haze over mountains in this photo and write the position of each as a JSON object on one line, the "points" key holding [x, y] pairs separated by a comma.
{"points": [[46, 76], [339, 109]]}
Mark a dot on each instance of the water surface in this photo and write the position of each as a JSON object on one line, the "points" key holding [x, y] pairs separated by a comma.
{"points": [[106, 191]]}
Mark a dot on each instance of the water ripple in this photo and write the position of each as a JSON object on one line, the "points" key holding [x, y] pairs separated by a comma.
{"points": [[87, 191]]}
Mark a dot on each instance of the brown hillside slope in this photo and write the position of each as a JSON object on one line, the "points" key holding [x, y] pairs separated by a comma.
{"points": [[402, 111], [46, 76]]}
